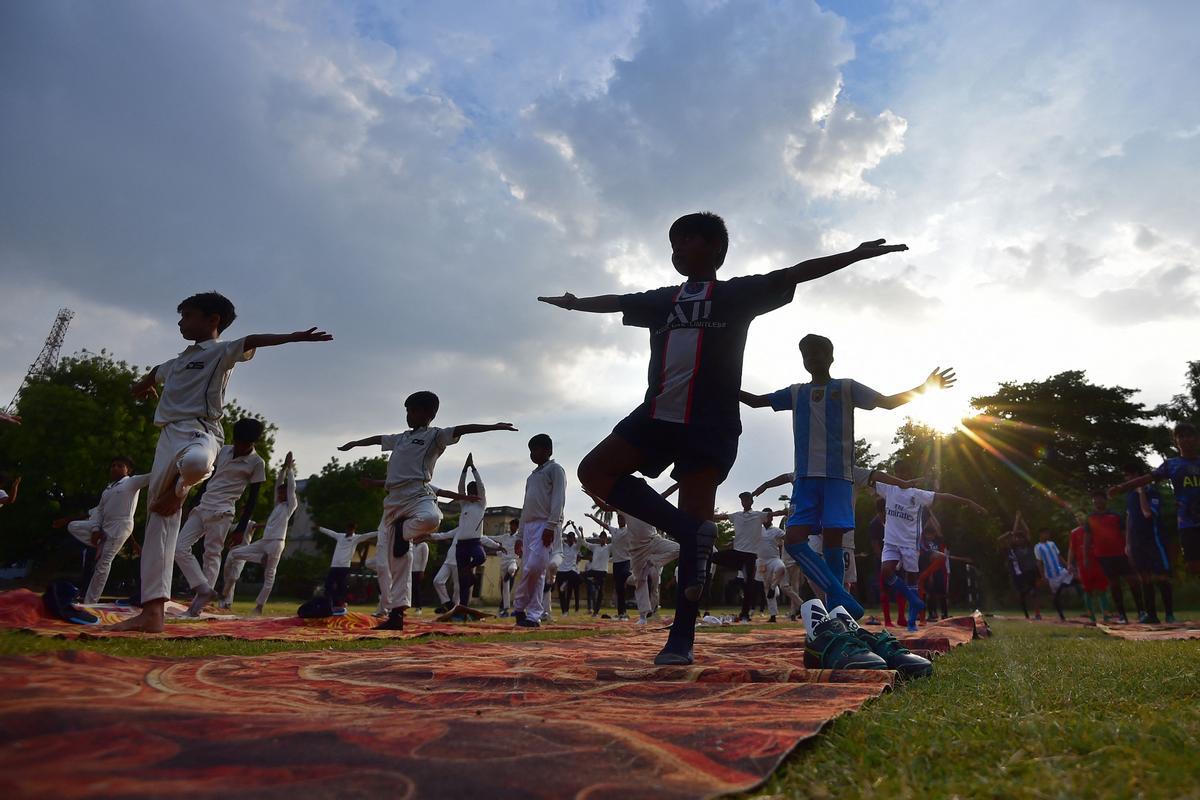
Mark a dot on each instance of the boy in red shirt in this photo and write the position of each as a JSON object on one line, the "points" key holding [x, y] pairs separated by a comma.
{"points": [[1092, 579], [1104, 536]]}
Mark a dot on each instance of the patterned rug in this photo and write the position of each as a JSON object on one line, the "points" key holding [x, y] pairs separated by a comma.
{"points": [[1174, 631], [448, 719]]}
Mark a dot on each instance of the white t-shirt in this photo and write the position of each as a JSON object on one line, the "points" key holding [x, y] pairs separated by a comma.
{"points": [[570, 557], [343, 551], [770, 544], [509, 542], [277, 523], [619, 541], [470, 518], [747, 530], [119, 501], [903, 525], [194, 381], [600, 556], [414, 455], [545, 495], [231, 475]]}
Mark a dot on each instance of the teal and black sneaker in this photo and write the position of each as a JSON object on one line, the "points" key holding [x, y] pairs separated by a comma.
{"points": [[887, 647], [830, 645]]}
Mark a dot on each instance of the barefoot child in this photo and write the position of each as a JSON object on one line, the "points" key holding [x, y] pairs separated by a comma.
{"points": [[237, 466], [107, 526], [268, 549], [690, 415], [189, 418], [410, 510]]}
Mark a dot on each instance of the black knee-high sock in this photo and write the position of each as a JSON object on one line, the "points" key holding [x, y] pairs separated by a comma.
{"points": [[466, 582], [1148, 597], [1058, 602], [416, 590], [1168, 596], [635, 497], [1135, 589], [1024, 605], [1118, 597]]}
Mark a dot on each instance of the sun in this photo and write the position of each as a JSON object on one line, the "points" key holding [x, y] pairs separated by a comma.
{"points": [[942, 411]]}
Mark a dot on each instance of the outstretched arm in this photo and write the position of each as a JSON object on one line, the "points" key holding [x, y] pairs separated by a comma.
{"points": [[601, 304], [370, 441], [460, 497], [145, 387], [463, 430], [938, 379], [815, 268], [779, 480], [754, 400], [953, 498], [256, 340], [12, 495], [1132, 483], [879, 476]]}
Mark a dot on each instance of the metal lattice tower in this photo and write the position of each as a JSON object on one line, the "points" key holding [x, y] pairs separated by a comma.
{"points": [[49, 355]]}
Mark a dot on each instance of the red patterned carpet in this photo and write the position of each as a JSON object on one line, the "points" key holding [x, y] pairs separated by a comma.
{"points": [[446, 719]]}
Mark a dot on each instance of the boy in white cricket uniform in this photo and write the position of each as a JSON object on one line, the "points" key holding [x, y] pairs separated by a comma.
{"points": [[541, 520], [772, 571], [446, 573], [237, 466], [337, 580], [108, 525], [902, 533], [268, 549], [189, 417], [410, 510], [510, 561]]}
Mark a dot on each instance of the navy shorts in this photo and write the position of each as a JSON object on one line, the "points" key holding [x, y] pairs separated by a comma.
{"points": [[1115, 567], [1149, 556], [691, 448]]}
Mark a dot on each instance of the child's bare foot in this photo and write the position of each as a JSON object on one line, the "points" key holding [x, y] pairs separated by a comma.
{"points": [[149, 621]]}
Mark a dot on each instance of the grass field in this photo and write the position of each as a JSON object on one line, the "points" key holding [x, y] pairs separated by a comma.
{"points": [[1037, 711]]}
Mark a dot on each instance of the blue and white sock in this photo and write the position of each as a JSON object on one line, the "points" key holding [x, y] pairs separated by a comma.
{"points": [[816, 571]]}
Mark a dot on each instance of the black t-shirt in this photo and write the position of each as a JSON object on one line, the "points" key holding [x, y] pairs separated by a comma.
{"points": [[1021, 560], [697, 340]]}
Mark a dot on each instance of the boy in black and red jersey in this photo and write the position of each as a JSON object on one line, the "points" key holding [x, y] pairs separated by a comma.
{"points": [[690, 414]]}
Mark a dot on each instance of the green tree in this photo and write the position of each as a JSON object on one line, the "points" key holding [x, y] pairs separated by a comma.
{"points": [[74, 419]]}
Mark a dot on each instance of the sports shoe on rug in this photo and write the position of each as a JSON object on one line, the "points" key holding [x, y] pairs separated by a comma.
{"points": [[887, 647], [829, 645]]}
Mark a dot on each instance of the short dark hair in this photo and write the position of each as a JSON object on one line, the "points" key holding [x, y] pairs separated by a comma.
{"points": [[903, 466], [423, 401], [816, 340], [541, 440], [706, 225], [744, 494], [208, 303], [248, 429], [126, 460], [1185, 427]]}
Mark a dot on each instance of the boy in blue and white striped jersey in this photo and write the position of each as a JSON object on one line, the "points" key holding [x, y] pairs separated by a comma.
{"points": [[823, 492], [1053, 570]]}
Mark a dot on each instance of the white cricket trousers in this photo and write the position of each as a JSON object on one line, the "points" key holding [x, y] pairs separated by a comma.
{"points": [[184, 457], [508, 575], [417, 514], [448, 573], [268, 551], [213, 526], [647, 560], [115, 536], [535, 560]]}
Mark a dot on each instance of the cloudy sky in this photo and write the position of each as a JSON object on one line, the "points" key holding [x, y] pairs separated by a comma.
{"points": [[411, 175]]}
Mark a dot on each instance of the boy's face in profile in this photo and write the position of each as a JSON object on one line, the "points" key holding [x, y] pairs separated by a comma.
{"points": [[117, 470], [694, 255], [540, 454], [1186, 442], [242, 448], [195, 326], [418, 417]]}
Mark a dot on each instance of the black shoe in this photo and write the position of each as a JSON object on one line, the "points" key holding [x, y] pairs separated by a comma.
{"points": [[887, 647], [518, 617], [525, 622], [394, 622], [1151, 619], [669, 657], [706, 534], [830, 645], [443, 608], [772, 618]]}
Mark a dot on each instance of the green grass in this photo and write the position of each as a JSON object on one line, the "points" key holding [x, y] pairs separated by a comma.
{"points": [[1036, 711]]}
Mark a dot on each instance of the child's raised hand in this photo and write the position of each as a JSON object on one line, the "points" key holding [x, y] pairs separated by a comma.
{"points": [[311, 335], [941, 378], [567, 300], [504, 426], [879, 247]]}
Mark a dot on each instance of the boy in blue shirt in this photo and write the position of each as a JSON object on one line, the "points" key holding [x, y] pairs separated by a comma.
{"points": [[690, 415], [823, 493]]}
